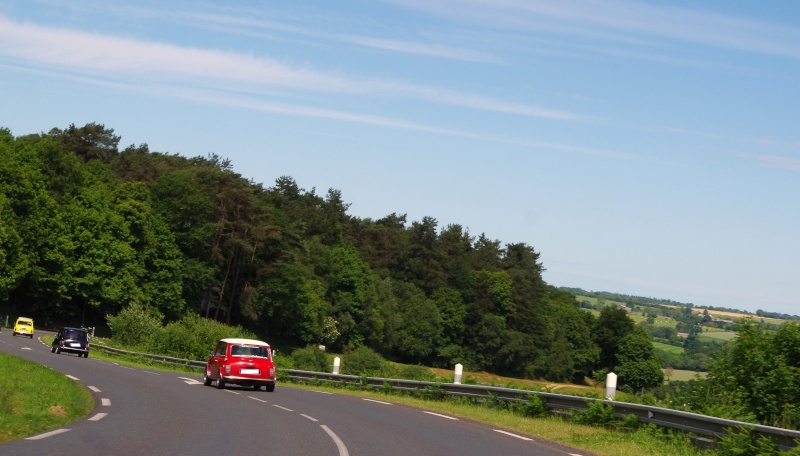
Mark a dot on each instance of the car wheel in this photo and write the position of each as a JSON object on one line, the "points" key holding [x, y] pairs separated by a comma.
{"points": [[206, 379], [31, 336], [86, 355], [52, 349], [58, 350], [271, 388], [220, 381]]}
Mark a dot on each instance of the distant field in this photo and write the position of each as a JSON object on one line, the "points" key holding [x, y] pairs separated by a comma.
{"points": [[716, 334], [668, 348], [682, 375]]}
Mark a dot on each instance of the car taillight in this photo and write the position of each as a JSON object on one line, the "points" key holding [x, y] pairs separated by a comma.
{"points": [[271, 372], [228, 369]]}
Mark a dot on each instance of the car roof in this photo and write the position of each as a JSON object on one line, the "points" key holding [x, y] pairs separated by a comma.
{"points": [[235, 340], [70, 327], [24, 319]]}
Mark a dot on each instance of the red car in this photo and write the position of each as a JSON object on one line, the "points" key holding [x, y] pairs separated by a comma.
{"points": [[244, 362]]}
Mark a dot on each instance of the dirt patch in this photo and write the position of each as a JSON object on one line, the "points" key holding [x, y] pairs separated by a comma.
{"points": [[57, 410]]}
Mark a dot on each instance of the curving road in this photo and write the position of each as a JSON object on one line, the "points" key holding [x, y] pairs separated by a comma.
{"points": [[145, 412]]}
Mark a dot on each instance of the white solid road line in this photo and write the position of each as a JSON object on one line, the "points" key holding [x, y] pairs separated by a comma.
{"points": [[379, 402], [442, 416], [98, 417], [47, 434], [512, 435], [339, 444]]}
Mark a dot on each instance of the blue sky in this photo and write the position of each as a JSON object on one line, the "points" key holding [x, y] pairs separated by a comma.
{"points": [[646, 148]]}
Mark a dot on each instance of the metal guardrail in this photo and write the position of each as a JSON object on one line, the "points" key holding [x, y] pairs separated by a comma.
{"points": [[163, 359], [701, 425]]}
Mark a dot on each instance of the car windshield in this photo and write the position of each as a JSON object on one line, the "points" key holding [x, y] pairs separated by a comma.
{"points": [[250, 351], [74, 334]]}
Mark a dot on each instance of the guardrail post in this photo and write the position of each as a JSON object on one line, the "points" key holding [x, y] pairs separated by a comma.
{"points": [[459, 371], [611, 386], [336, 362]]}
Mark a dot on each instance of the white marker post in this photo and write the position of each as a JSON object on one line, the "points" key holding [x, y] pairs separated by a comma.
{"points": [[458, 373], [611, 386], [336, 362]]}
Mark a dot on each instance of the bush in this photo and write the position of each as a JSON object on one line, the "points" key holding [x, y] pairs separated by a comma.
{"points": [[135, 325], [598, 413], [415, 372], [311, 359], [363, 361], [533, 407]]}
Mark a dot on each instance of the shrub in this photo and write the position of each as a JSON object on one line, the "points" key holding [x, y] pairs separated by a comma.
{"points": [[135, 325], [533, 407], [598, 413], [310, 358], [416, 372], [363, 361]]}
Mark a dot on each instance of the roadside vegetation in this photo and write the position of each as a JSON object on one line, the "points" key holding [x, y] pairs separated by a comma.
{"points": [[29, 407]]}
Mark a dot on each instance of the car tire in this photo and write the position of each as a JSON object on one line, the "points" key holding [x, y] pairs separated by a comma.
{"points": [[58, 350], [86, 355], [206, 379], [271, 388], [220, 381], [31, 336]]}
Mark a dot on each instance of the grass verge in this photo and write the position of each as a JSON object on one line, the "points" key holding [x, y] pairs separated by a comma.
{"points": [[36, 399]]}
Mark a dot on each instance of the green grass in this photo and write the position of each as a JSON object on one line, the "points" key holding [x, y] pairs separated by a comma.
{"points": [[36, 399], [668, 348], [716, 335]]}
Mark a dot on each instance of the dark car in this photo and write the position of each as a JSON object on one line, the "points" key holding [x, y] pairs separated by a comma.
{"points": [[71, 340]]}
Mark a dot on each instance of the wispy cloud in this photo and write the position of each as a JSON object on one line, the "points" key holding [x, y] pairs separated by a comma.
{"points": [[619, 20], [773, 161], [132, 60]]}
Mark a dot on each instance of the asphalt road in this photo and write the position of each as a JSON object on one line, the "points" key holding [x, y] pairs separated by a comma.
{"points": [[148, 412]]}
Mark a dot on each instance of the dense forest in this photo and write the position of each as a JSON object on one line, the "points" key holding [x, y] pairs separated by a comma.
{"points": [[88, 229]]}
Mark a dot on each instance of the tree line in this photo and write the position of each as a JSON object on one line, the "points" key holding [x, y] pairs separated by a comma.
{"points": [[88, 229]]}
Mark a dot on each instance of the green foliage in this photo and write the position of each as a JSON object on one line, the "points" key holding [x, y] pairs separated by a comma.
{"points": [[310, 358], [534, 407], [135, 325], [638, 366], [363, 361], [416, 372], [598, 413]]}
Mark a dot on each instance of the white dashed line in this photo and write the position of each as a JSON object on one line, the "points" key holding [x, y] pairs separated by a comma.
{"points": [[47, 434], [337, 440], [105, 402], [283, 408], [321, 392], [309, 417], [512, 435], [379, 402], [73, 378], [232, 392], [152, 373], [98, 417], [94, 388], [257, 399], [442, 416]]}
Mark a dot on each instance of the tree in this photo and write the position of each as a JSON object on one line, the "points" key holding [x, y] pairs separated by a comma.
{"points": [[612, 326], [639, 366]]}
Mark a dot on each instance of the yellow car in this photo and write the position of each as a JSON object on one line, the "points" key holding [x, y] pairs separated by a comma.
{"points": [[23, 327]]}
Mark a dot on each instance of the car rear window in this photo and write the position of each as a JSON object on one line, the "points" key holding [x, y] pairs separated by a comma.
{"points": [[24, 323], [74, 334], [250, 351]]}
